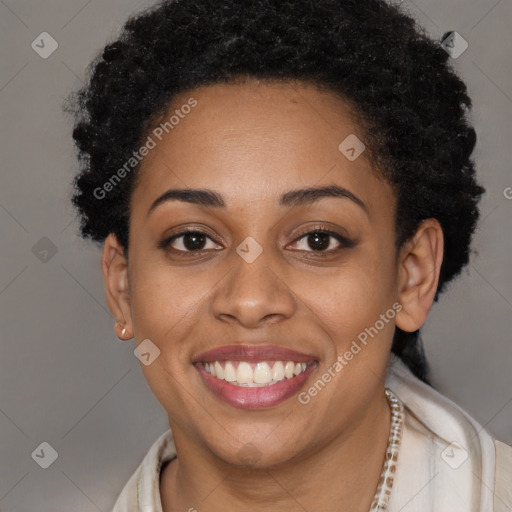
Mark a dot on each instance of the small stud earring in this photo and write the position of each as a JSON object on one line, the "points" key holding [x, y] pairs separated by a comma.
{"points": [[123, 331]]}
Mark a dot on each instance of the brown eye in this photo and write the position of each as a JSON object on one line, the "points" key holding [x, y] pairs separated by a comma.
{"points": [[320, 240], [188, 241], [193, 241]]}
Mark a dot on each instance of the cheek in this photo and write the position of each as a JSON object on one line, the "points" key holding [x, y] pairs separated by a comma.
{"points": [[165, 309], [163, 300], [353, 296]]}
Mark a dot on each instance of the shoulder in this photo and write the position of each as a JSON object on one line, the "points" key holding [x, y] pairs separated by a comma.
{"points": [[142, 491], [503, 477], [443, 445]]}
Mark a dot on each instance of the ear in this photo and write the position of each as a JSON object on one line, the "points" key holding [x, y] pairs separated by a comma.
{"points": [[418, 274], [114, 267]]}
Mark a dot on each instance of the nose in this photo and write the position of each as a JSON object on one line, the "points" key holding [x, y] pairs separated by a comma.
{"points": [[254, 294]]}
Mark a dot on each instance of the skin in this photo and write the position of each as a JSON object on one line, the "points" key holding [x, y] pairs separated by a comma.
{"points": [[252, 142]]}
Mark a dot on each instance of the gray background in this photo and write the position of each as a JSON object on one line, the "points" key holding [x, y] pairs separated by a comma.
{"points": [[67, 380]]}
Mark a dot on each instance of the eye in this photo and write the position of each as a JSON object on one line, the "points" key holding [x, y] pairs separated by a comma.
{"points": [[319, 240], [187, 241], [322, 240]]}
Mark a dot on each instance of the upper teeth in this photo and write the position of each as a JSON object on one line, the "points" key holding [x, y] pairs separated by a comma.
{"points": [[242, 373]]}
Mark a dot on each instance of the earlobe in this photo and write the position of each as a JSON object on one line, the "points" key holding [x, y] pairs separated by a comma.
{"points": [[419, 266], [114, 268]]}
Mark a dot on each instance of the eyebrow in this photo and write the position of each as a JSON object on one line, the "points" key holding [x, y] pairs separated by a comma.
{"points": [[292, 198]]}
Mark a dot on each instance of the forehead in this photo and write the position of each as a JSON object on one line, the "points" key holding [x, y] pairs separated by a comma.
{"points": [[256, 139]]}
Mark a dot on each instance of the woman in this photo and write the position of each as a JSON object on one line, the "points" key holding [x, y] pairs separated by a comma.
{"points": [[282, 189]]}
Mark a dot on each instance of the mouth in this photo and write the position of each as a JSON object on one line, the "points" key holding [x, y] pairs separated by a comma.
{"points": [[251, 377]]}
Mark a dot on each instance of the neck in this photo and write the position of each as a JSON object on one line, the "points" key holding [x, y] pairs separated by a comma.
{"points": [[341, 474]]}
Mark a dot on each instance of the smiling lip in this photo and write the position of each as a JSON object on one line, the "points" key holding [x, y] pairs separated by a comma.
{"points": [[254, 397], [252, 353]]}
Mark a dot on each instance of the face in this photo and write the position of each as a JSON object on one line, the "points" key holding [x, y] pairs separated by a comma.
{"points": [[275, 272]]}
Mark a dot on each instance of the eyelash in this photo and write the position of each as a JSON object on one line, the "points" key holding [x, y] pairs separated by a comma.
{"points": [[344, 242]]}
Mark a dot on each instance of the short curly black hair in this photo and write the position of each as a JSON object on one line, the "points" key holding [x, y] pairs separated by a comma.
{"points": [[410, 104]]}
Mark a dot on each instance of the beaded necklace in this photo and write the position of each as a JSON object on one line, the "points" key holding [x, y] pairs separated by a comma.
{"points": [[381, 498]]}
